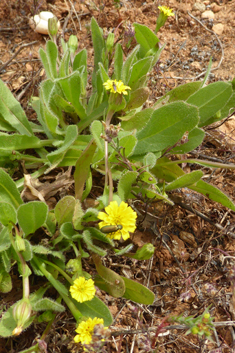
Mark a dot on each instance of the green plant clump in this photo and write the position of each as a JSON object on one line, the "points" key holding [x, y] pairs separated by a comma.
{"points": [[94, 120]]}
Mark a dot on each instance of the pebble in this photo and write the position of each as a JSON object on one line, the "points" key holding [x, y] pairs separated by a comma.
{"points": [[218, 28], [215, 7], [196, 66], [208, 14], [199, 6]]}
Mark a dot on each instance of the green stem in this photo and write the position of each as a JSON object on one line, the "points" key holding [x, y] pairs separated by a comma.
{"points": [[63, 273], [198, 161], [108, 174], [58, 286], [25, 277]]}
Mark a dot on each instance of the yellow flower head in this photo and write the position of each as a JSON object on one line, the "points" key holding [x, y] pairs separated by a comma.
{"points": [[115, 215], [82, 290], [166, 11], [115, 86], [85, 330]]}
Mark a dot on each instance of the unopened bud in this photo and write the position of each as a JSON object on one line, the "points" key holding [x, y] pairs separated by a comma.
{"points": [[73, 43], [21, 314], [53, 26], [20, 243], [110, 42], [46, 316], [73, 266], [144, 253], [194, 330]]}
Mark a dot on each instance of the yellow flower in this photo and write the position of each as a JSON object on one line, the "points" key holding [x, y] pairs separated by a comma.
{"points": [[122, 215], [115, 86], [166, 11], [82, 290], [85, 330]]}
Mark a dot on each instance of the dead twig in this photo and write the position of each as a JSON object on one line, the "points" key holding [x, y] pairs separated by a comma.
{"points": [[171, 327], [16, 53], [207, 219], [219, 41]]}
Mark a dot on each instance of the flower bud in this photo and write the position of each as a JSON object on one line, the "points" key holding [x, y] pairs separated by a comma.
{"points": [[20, 243], [46, 316], [194, 330], [73, 43], [21, 314], [110, 42], [144, 253], [73, 266], [207, 316], [53, 26]]}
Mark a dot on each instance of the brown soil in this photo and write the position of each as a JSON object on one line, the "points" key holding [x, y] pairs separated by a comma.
{"points": [[193, 266]]}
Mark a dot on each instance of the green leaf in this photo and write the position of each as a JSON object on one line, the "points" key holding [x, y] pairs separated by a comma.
{"points": [[72, 87], [90, 246], [195, 138], [210, 100], [97, 234], [164, 170], [28, 253], [12, 112], [64, 209], [45, 115], [48, 304], [10, 143], [8, 190], [56, 157], [63, 104], [67, 231], [137, 98], [185, 180], [90, 215], [147, 177], [7, 214], [138, 121], [5, 282], [166, 127], [77, 215], [149, 160], [213, 193], [5, 242], [64, 64], [82, 169], [139, 69], [146, 38], [7, 323], [181, 93], [125, 184], [5, 258], [118, 62], [137, 292], [113, 282], [98, 43], [52, 54], [95, 308], [96, 130], [31, 216], [127, 66]]}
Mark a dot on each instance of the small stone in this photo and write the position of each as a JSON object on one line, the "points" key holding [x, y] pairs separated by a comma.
{"points": [[207, 2], [218, 28], [199, 6], [215, 7], [208, 14], [196, 66]]}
